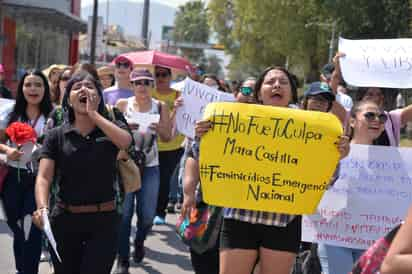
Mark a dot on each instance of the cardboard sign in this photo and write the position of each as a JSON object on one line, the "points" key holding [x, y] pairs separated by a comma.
{"points": [[371, 197], [377, 63], [196, 96], [267, 158]]}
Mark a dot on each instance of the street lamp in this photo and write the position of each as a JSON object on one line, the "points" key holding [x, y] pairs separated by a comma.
{"points": [[332, 38]]}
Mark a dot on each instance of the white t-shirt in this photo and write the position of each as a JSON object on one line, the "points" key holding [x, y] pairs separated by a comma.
{"points": [[345, 100]]}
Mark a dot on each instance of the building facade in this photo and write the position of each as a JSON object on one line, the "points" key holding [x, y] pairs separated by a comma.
{"points": [[38, 33]]}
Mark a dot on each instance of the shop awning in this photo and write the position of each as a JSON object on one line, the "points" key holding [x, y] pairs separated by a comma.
{"points": [[46, 16]]}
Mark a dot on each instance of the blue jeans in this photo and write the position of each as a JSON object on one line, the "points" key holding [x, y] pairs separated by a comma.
{"points": [[146, 202], [337, 259], [18, 203]]}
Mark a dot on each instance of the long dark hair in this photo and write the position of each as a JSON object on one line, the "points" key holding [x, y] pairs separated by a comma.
{"points": [[77, 77], [19, 110], [58, 91], [292, 80]]}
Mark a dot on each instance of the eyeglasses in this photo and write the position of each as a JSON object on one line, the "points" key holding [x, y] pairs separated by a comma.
{"points": [[162, 74], [372, 116], [142, 82], [246, 91], [123, 65]]}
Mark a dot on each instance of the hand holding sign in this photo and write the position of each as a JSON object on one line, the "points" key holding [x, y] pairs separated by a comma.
{"points": [[267, 158]]}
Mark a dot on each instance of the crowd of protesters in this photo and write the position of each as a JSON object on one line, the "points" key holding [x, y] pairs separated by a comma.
{"points": [[77, 184]]}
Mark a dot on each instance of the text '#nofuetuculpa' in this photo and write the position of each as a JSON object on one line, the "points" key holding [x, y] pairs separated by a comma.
{"points": [[230, 123]]}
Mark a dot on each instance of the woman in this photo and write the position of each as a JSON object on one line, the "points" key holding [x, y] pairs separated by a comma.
{"points": [[212, 81], [82, 154], [398, 260], [106, 76], [146, 141], [244, 94], [32, 106], [64, 78], [396, 118], [366, 124], [53, 73], [273, 238]]}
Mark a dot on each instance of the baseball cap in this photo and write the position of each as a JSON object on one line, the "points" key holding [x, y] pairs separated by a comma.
{"points": [[122, 59], [316, 88], [327, 70], [141, 74]]}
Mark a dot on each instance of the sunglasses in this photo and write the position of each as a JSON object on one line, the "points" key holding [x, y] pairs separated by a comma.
{"points": [[246, 91], [162, 74], [123, 65], [372, 116], [142, 83]]}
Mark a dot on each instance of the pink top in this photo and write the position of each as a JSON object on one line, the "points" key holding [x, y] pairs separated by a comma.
{"points": [[393, 126]]}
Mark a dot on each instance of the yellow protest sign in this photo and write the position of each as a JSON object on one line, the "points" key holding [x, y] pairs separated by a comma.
{"points": [[267, 158]]}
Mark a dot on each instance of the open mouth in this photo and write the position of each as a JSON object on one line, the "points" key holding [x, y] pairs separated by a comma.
{"points": [[276, 95], [83, 99], [34, 96]]}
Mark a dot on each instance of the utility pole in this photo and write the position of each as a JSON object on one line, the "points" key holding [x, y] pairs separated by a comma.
{"points": [[93, 38], [107, 30], [145, 23], [332, 42]]}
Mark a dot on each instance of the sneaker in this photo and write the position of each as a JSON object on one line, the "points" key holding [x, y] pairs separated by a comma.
{"points": [[122, 266], [138, 252], [170, 207], [159, 220]]}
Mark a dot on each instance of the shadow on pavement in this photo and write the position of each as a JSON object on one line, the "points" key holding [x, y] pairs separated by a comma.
{"points": [[172, 239], [4, 228], [181, 261]]}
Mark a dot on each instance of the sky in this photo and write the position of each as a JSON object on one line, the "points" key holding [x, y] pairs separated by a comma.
{"points": [[173, 3]]}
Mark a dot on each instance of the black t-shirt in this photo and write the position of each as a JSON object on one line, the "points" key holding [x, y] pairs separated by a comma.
{"points": [[85, 166]]}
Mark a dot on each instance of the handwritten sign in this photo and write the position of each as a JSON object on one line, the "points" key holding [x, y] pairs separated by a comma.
{"points": [[196, 96], [377, 63], [371, 197], [144, 120], [267, 158]]}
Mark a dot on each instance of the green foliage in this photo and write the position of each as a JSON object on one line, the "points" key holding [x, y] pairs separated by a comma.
{"points": [[268, 32], [191, 25]]}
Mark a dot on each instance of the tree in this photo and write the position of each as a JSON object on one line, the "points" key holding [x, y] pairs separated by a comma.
{"points": [[213, 65], [191, 26], [269, 32]]}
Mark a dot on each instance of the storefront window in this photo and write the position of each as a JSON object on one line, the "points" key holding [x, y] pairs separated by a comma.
{"points": [[39, 47]]}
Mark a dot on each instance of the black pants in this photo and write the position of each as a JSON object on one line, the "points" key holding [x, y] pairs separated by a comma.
{"points": [[86, 242], [207, 262], [167, 163]]}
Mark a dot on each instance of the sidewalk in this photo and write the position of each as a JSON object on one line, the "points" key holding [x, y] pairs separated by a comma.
{"points": [[165, 253]]}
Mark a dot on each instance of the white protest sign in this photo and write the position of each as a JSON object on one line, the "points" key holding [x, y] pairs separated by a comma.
{"points": [[377, 63], [196, 97], [6, 106], [144, 120], [49, 233], [371, 196]]}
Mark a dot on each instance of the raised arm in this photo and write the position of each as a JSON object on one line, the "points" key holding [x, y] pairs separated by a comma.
{"points": [[399, 257]]}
